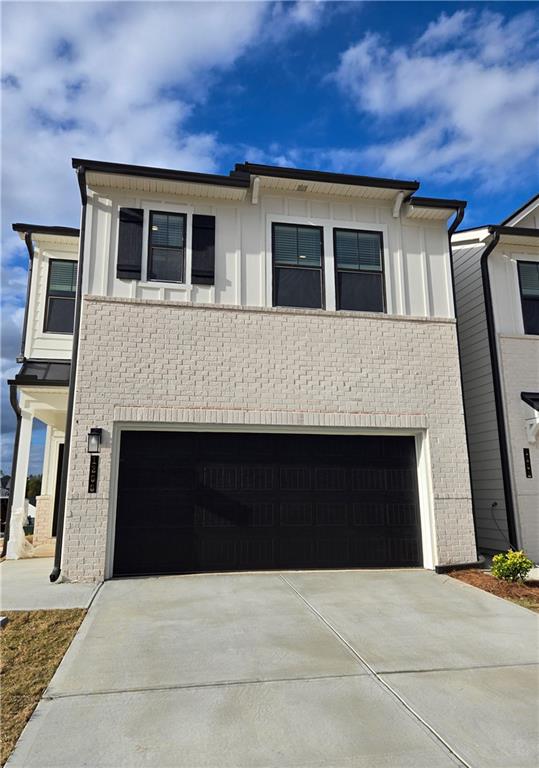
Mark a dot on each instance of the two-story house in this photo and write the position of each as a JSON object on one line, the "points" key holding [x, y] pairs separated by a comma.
{"points": [[497, 297], [265, 375]]}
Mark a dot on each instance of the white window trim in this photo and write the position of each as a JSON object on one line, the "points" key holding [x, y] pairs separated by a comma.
{"points": [[328, 267], [187, 210]]}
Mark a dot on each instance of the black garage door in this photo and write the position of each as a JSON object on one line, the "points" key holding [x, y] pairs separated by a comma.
{"points": [[199, 501]]}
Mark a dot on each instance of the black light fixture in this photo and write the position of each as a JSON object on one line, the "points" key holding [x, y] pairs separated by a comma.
{"points": [[94, 440]]}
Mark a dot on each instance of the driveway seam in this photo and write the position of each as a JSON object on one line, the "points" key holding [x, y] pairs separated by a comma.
{"points": [[188, 686], [455, 669], [379, 679]]}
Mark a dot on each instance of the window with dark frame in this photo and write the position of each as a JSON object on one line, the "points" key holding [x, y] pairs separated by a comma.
{"points": [[60, 298], [528, 276], [297, 266], [166, 247], [359, 274]]}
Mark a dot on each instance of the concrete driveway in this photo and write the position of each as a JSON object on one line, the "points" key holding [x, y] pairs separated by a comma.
{"points": [[371, 669]]}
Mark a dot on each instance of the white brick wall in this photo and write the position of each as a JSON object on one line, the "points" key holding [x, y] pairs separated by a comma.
{"points": [[154, 361]]}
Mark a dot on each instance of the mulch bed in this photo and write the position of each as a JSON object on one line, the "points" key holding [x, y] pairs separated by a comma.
{"points": [[525, 594], [32, 645]]}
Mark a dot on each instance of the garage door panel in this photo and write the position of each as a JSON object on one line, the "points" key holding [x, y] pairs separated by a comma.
{"points": [[232, 501]]}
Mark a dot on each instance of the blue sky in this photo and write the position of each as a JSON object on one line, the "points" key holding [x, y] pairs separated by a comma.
{"points": [[447, 93]]}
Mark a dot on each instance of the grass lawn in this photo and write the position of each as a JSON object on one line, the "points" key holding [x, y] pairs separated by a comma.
{"points": [[32, 644], [525, 594]]}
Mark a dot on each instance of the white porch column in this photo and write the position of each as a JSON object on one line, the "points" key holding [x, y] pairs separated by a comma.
{"points": [[19, 487]]}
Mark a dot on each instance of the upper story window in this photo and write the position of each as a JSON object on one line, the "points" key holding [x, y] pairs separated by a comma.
{"points": [[359, 279], [60, 300], [528, 273], [166, 248], [297, 266]]}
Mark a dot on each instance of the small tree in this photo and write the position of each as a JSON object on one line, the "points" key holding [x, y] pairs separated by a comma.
{"points": [[33, 486], [511, 566]]}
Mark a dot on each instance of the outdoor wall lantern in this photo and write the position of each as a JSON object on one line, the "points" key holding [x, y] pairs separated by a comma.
{"points": [[94, 440]]}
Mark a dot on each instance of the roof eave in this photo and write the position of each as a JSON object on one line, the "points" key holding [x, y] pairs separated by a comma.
{"points": [[167, 174], [243, 170], [42, 229]]}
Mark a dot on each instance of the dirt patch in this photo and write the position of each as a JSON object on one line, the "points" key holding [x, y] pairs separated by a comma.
{"points": [[526, 594], [32, 644]]}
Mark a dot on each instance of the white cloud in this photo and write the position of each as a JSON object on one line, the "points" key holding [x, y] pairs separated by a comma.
{"points": [[444, 29], [110, 81], [463, 100]]}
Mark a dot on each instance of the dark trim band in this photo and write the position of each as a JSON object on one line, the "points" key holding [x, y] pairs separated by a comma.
{"points": [[42, 229], [161, 173], [437, 202], [302, 174]]}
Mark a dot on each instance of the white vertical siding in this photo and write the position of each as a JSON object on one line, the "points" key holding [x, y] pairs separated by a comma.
{"points": [[416, 254], [42, 345]]}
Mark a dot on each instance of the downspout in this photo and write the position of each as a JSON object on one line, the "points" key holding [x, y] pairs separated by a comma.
{"points": [[15, 405], [55, 573], [450, 232], [30, 246], [498, 399]]}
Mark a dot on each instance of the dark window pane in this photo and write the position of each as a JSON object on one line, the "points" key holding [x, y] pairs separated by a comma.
{"points": [[359, 291], [529, 290], [529, 279], [285, 245], [356, 250], [298, 288], [309, 247], [63, 277], [60, 313], [60, 301], [166, 264], [530, 314], [167, 247], [294, 245], [167, 230], [205, 258]]}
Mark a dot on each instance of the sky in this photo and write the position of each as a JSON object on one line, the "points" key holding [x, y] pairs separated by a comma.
{"points": [[446, 93]]}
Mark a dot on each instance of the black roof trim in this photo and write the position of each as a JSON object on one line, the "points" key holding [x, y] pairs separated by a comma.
{"points": [[520, 231], [437, 202], [502, 230], [43, 373], [42, 229], [302, 174], [522, 208], [161, 173], [531, 399]]}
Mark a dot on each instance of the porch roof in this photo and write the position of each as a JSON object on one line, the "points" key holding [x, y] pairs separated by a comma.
{"points": [[48, 373]]}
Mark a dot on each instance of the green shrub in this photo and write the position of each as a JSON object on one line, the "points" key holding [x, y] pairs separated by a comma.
{"points": [[511, 566]]}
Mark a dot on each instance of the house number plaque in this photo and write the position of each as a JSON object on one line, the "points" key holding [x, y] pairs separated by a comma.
{"points": [[527, 462], [92, 477]]}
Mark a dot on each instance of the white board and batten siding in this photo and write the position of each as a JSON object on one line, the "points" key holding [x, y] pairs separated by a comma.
{"points": [[41, 344], [416, 253]]}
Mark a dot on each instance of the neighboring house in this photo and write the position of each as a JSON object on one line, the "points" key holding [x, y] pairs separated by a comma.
{"points": [[497, 296], [43, 380], [267, 362]]}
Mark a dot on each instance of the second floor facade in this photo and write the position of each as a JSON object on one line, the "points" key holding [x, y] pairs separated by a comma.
{"points": [[265, 237]]}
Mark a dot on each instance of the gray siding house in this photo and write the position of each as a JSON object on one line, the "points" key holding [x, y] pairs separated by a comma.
{"points": [[496, 269]]}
